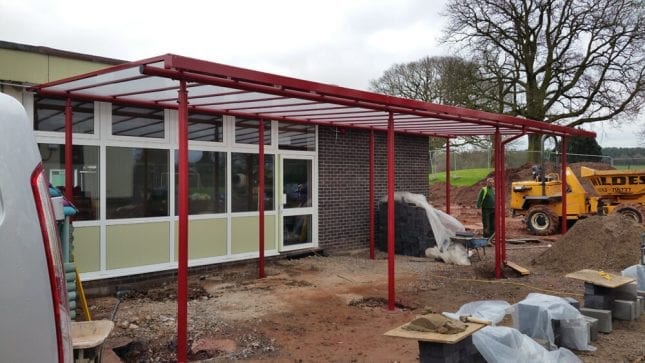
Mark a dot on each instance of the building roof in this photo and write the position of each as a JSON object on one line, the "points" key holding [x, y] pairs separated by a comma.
{"points": [[223, 89], [58, 53]]}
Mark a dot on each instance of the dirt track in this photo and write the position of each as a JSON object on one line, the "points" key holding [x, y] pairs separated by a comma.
{"points": [[333, 309]]}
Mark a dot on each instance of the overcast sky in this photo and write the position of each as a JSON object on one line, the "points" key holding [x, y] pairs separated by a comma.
{"points": [[343, 42]]}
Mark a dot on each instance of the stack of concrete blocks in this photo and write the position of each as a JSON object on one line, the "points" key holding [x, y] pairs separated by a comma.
{"points": [[598, 305], [566, 333], [626, 303], [462, 351], [592, 323], [604, 303]]}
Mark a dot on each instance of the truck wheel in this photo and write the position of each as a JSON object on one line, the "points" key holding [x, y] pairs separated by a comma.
{"points": [[632, 211], [541, 220]]}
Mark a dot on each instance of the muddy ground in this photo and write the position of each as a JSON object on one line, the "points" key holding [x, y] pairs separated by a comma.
{"points": [[334, 309]]}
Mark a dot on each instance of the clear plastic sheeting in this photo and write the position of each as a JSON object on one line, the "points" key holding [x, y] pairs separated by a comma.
{"points": [[501, 344], [534, 317], [491, 310], [637, 272], [444, 227]]}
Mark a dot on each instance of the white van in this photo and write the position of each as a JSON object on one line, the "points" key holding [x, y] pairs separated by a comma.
{"points": [[34, 313]]}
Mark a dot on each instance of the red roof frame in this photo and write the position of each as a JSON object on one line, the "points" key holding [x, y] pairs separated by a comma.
{"points": [[187, 84], [227, 90]]}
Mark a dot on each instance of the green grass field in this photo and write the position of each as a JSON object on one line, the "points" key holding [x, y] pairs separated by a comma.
{"points": [[461, 178], [625, 167]]}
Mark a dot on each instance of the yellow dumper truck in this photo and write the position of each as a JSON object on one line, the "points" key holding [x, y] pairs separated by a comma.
{"points": [[540, 200]]}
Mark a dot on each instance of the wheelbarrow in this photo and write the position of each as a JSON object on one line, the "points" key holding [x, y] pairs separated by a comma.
{"points": [[88, 338], [473, 243]]}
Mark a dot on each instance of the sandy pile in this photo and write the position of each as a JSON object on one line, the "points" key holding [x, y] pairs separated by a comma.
{"points": [[609, 243]]}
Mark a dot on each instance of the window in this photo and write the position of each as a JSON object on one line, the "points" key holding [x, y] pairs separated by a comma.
{"points": [[292, 136], [244, 183], [137, 121], [204, 127], [85, 164], [297, 229], [49, 115], [206, 182], [137, 182], [247, 132]]}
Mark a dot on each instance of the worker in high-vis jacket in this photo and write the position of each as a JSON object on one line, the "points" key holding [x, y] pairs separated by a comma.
{"points": [[486, 201]]}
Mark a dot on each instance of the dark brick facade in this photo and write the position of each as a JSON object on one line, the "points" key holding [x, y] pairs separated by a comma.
{"points": [[343, 181]]}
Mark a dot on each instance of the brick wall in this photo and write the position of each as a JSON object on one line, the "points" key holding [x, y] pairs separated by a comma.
{"points": [[343, 181]]}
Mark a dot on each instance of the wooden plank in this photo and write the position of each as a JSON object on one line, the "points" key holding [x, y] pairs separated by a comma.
{"points": [[601, 279], [522, 240], [522, 271], [434, 337]]}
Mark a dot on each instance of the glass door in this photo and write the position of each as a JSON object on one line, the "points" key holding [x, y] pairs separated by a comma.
{"points": [[297, 213]]}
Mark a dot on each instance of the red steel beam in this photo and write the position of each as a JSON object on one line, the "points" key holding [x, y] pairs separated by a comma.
{"points": [[261, 273], [563, 163], [371, 195], [503, 194], [448, 175], [182, 273], [69, 160], [390, 212], [498, 210]]}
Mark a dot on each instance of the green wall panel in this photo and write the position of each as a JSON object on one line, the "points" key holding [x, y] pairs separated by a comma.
{"points": [[245, 234], [132, 245], [206, 238], [87, 248]]}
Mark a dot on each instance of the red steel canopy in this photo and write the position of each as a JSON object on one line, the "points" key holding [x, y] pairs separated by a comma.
{"points": [[223, 89], [188, 84]]}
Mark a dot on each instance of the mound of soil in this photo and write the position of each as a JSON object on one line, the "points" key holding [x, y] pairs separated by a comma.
{"points": [[609, 243]]}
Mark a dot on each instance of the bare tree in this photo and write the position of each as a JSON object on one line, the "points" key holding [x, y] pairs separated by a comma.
{"points": [[448, 80], [569, 62]]}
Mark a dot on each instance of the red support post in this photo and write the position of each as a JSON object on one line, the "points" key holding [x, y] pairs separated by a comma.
{"points": [[371, 196], [448, 175], [182, 274], [69, 161], [498, 210], [261, 273], [500, 185], [390, 211], [563, 163]]}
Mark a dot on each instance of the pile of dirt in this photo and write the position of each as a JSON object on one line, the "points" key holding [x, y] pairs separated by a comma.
{"points": [[609, 243]]}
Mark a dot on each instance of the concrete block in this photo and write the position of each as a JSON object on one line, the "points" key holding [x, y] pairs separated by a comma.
{"points": [[572, 334], [439, 353], [593, 328], [625, 292], [591, 289], [603, 316], [573, 302], [528, 316], [641, 301], [624, 310], [599, 301]]}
